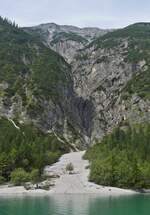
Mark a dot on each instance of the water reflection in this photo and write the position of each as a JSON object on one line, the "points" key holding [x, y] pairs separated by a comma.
{"points": [[76, 205], [71, 204]]}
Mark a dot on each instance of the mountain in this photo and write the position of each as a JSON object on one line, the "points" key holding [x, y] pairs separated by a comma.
{"points": [[65, 39], [111, 70], [106, 82], [72, 96], [36, 86]]}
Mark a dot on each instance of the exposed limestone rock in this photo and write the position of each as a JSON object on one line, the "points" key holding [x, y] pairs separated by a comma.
{"points": [[101, 79], [66, 40]]}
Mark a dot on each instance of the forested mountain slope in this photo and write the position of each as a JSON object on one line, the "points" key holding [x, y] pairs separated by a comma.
{"points": [[41, 116], [36, 85]]}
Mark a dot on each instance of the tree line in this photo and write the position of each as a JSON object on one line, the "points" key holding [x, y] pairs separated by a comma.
{"points": [[122, 158]]}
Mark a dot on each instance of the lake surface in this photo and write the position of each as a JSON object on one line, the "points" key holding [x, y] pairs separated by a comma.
{"points": [[76, 205]]}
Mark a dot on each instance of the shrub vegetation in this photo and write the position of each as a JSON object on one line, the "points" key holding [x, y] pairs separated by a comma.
{"points": [[28, 149]]}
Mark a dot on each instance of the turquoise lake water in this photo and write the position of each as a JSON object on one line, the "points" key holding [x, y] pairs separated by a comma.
{"points": [[76, 205]]}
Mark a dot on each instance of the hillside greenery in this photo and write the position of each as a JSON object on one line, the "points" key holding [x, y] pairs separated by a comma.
{"points": [[138, 37], [138, 31], [26, 150], [122, 158], [34, 74], [139, 85], [68, 36], [26, 63]]}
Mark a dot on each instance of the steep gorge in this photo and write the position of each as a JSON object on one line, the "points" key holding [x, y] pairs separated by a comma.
{"points": [[110, 72]]}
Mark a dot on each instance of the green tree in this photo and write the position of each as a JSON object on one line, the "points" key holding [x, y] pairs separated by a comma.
{"points": [[35, 175], [19, 176]]}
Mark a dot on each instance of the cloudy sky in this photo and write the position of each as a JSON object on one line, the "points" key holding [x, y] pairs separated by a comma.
{"points": [[83, 13]]}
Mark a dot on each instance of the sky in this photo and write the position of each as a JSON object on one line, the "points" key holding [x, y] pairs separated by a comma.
{"points": [[82, 13]]}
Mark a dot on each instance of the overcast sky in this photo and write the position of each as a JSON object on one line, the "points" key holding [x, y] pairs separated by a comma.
{"points": [[82, 13]]}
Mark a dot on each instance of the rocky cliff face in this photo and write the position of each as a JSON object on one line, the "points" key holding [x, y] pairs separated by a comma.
{"points": [[101, 79], [109, 73], [66, 40]]}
